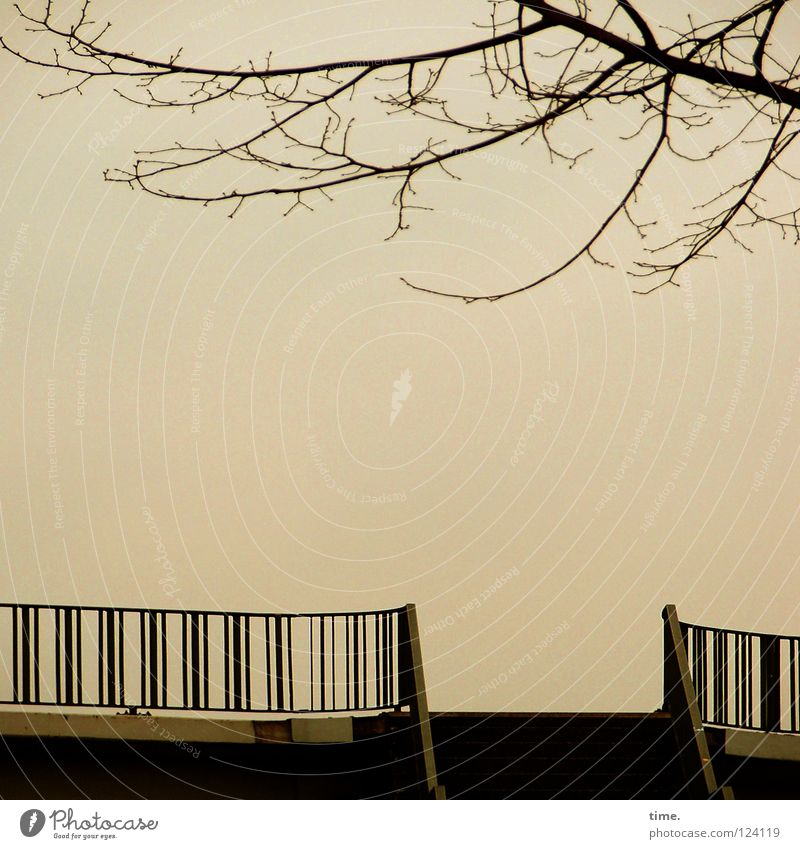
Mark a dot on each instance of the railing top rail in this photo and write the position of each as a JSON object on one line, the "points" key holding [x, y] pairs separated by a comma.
{"points": [[739, 633], [191, 611]]}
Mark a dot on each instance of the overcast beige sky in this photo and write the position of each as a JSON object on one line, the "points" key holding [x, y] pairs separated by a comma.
{"points": [[561, 465]]}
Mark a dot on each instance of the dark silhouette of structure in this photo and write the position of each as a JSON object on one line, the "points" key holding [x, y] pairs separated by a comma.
{"points": [[185, 704]]}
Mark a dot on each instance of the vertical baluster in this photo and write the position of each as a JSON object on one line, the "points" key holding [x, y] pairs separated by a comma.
{"points": [[716, 661], [356, 660], [164, 656], [236, 628], [334, 660], [267, 652], [380, 659], [69, 667], [763, 685], [121, 656], [770, 683], [389, 697], [56, 651], [79, 652], [704, 676], [746, 671], [312, 685], [720, 677], [26, 654], [289, 655], [184, 660], [36, 656], [279, 661], [247, 673], [796, 684], [194, 641], [380, 649], [742, 678], [380, 672], [375, 679], [15, 652], [227, 660], [376, 658], [111, 655], [385, 657], [356, 652], [702, 683], [364, 659], [153, 658], [205, 661], [348, 702], [392, 632], [750, 679], [707, 674], [101, 655], [143, 658], [792, 685], [323, 693], [315, 692], [387, 617], [356, 656], [737, 679]]}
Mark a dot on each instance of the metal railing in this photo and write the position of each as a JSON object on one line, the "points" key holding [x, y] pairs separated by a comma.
{"points": [[743, 679], [132, 658]]}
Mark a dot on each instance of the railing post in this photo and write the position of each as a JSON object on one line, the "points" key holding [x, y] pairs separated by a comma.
{"points": [[413, 693], [680, 700]]}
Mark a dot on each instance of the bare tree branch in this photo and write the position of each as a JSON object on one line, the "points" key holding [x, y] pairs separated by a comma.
{"points": [[685, 81]]}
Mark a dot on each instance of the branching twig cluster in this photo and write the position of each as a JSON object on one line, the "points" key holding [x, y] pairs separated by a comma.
{"points": [[610, 55]]}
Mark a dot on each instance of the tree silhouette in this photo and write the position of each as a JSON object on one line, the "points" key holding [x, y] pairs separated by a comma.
{"points": [[699, 89]]}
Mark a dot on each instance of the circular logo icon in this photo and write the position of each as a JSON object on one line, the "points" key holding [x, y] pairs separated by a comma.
{"points": [[31, 822]]}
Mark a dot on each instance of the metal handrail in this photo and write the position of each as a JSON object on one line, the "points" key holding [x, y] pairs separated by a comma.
{"points": [[131, 658], [747, 680], [740, 632]]}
